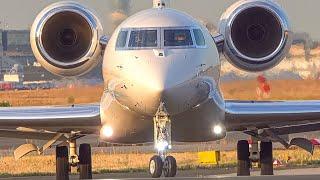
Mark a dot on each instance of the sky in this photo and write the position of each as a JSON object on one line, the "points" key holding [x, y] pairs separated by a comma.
{"points": [[304, 14]]}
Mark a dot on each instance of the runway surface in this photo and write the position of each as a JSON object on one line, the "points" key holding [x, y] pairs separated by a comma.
{"points": [[292, 174]]}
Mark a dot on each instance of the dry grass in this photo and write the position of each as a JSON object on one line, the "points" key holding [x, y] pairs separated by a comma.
{"points": [[280, 90], [243, 90], [139, 161], [81, 95]]}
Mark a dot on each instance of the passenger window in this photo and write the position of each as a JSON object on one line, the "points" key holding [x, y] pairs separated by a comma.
{"points": [[122, 39], [177, 37], [198, 35], [143, 38]]}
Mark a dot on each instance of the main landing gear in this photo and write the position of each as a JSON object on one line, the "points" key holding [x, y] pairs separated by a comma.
{"points": [[65, 161], [162, 163], [245, 157]]}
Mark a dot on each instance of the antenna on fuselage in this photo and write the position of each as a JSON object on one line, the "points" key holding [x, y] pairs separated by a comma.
{"points": [[160, 3]]}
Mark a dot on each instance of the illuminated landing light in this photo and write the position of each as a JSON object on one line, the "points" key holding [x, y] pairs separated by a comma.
{"points": [[162, 145], [218, 129], [106, 131]]}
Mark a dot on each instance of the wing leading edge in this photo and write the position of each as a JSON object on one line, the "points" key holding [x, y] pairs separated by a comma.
{"points": [[84, 118], [241, 115]]}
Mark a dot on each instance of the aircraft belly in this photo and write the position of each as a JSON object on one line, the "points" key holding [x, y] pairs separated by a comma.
{"points": [[195, 125], [129, 127], [185, 96]]}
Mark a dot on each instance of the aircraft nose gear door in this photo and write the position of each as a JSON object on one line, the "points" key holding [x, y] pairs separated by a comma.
{"points": [[162, 142]]}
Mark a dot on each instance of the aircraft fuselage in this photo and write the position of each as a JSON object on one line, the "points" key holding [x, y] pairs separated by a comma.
{"points": [[139, 79]]}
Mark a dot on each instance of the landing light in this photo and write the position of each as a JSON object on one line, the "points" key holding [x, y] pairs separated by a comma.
{"points": [[162, 145], [218, 129], [106, 131]]}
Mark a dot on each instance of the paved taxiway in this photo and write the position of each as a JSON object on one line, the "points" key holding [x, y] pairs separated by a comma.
{"points": [[292, 174]]}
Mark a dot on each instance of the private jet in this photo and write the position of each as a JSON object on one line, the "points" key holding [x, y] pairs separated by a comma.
{"points": [[161, 71]]}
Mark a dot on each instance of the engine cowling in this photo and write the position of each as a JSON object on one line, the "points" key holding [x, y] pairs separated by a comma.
{"points": [[65, 39], [257, 34]]}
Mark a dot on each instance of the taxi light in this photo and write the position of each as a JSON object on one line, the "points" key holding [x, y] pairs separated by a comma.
{"points": [[162, 145], [106, 131], [218, 129]]}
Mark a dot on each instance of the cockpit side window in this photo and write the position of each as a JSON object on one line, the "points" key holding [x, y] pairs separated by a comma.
{"points": [[143, 39], [198, 35], [122, 39], [177, 37]]}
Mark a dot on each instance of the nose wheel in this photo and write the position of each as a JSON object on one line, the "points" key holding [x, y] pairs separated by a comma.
{"points": [[161, 163], [170, 167], [157, 167]]}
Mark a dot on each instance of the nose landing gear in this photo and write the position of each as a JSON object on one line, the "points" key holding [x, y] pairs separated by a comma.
{"points": [[162, 163]]}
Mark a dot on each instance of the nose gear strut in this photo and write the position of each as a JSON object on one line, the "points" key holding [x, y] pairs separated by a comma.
{"points": [[162, 142]]}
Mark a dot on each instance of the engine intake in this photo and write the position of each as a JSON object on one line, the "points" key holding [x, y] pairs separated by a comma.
{"points": [[65, 39], [257, 34]]}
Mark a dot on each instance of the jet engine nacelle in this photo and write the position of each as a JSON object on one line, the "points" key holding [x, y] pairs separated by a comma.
{"points": [[65, 39], [257, 34]]}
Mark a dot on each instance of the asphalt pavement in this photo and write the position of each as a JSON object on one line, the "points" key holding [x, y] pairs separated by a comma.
{"points": [[291, 174]]}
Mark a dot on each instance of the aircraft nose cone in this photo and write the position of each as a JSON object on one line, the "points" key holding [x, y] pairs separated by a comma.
{"points": [[157, 85], [155, 91], [161, 82]]}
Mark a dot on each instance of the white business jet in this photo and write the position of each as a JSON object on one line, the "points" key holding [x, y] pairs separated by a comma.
{"points": [[161, 71]]}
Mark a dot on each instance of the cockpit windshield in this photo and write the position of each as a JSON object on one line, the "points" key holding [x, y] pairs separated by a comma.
{"points": [[177, 37], [143, 38], [167, 37]]}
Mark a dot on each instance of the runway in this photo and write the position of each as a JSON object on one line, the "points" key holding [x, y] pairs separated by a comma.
{"points": [[292, 174]]}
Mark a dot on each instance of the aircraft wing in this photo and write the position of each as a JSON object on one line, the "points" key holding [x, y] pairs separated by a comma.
{"points": [[84, 118], [287, 116], [24, 134]]}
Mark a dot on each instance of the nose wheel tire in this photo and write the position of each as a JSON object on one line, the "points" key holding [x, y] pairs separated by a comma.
{"points": [[170, 167], [155, 167], [266, 158], [85, 162], [243, 166], [62, 163]]}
